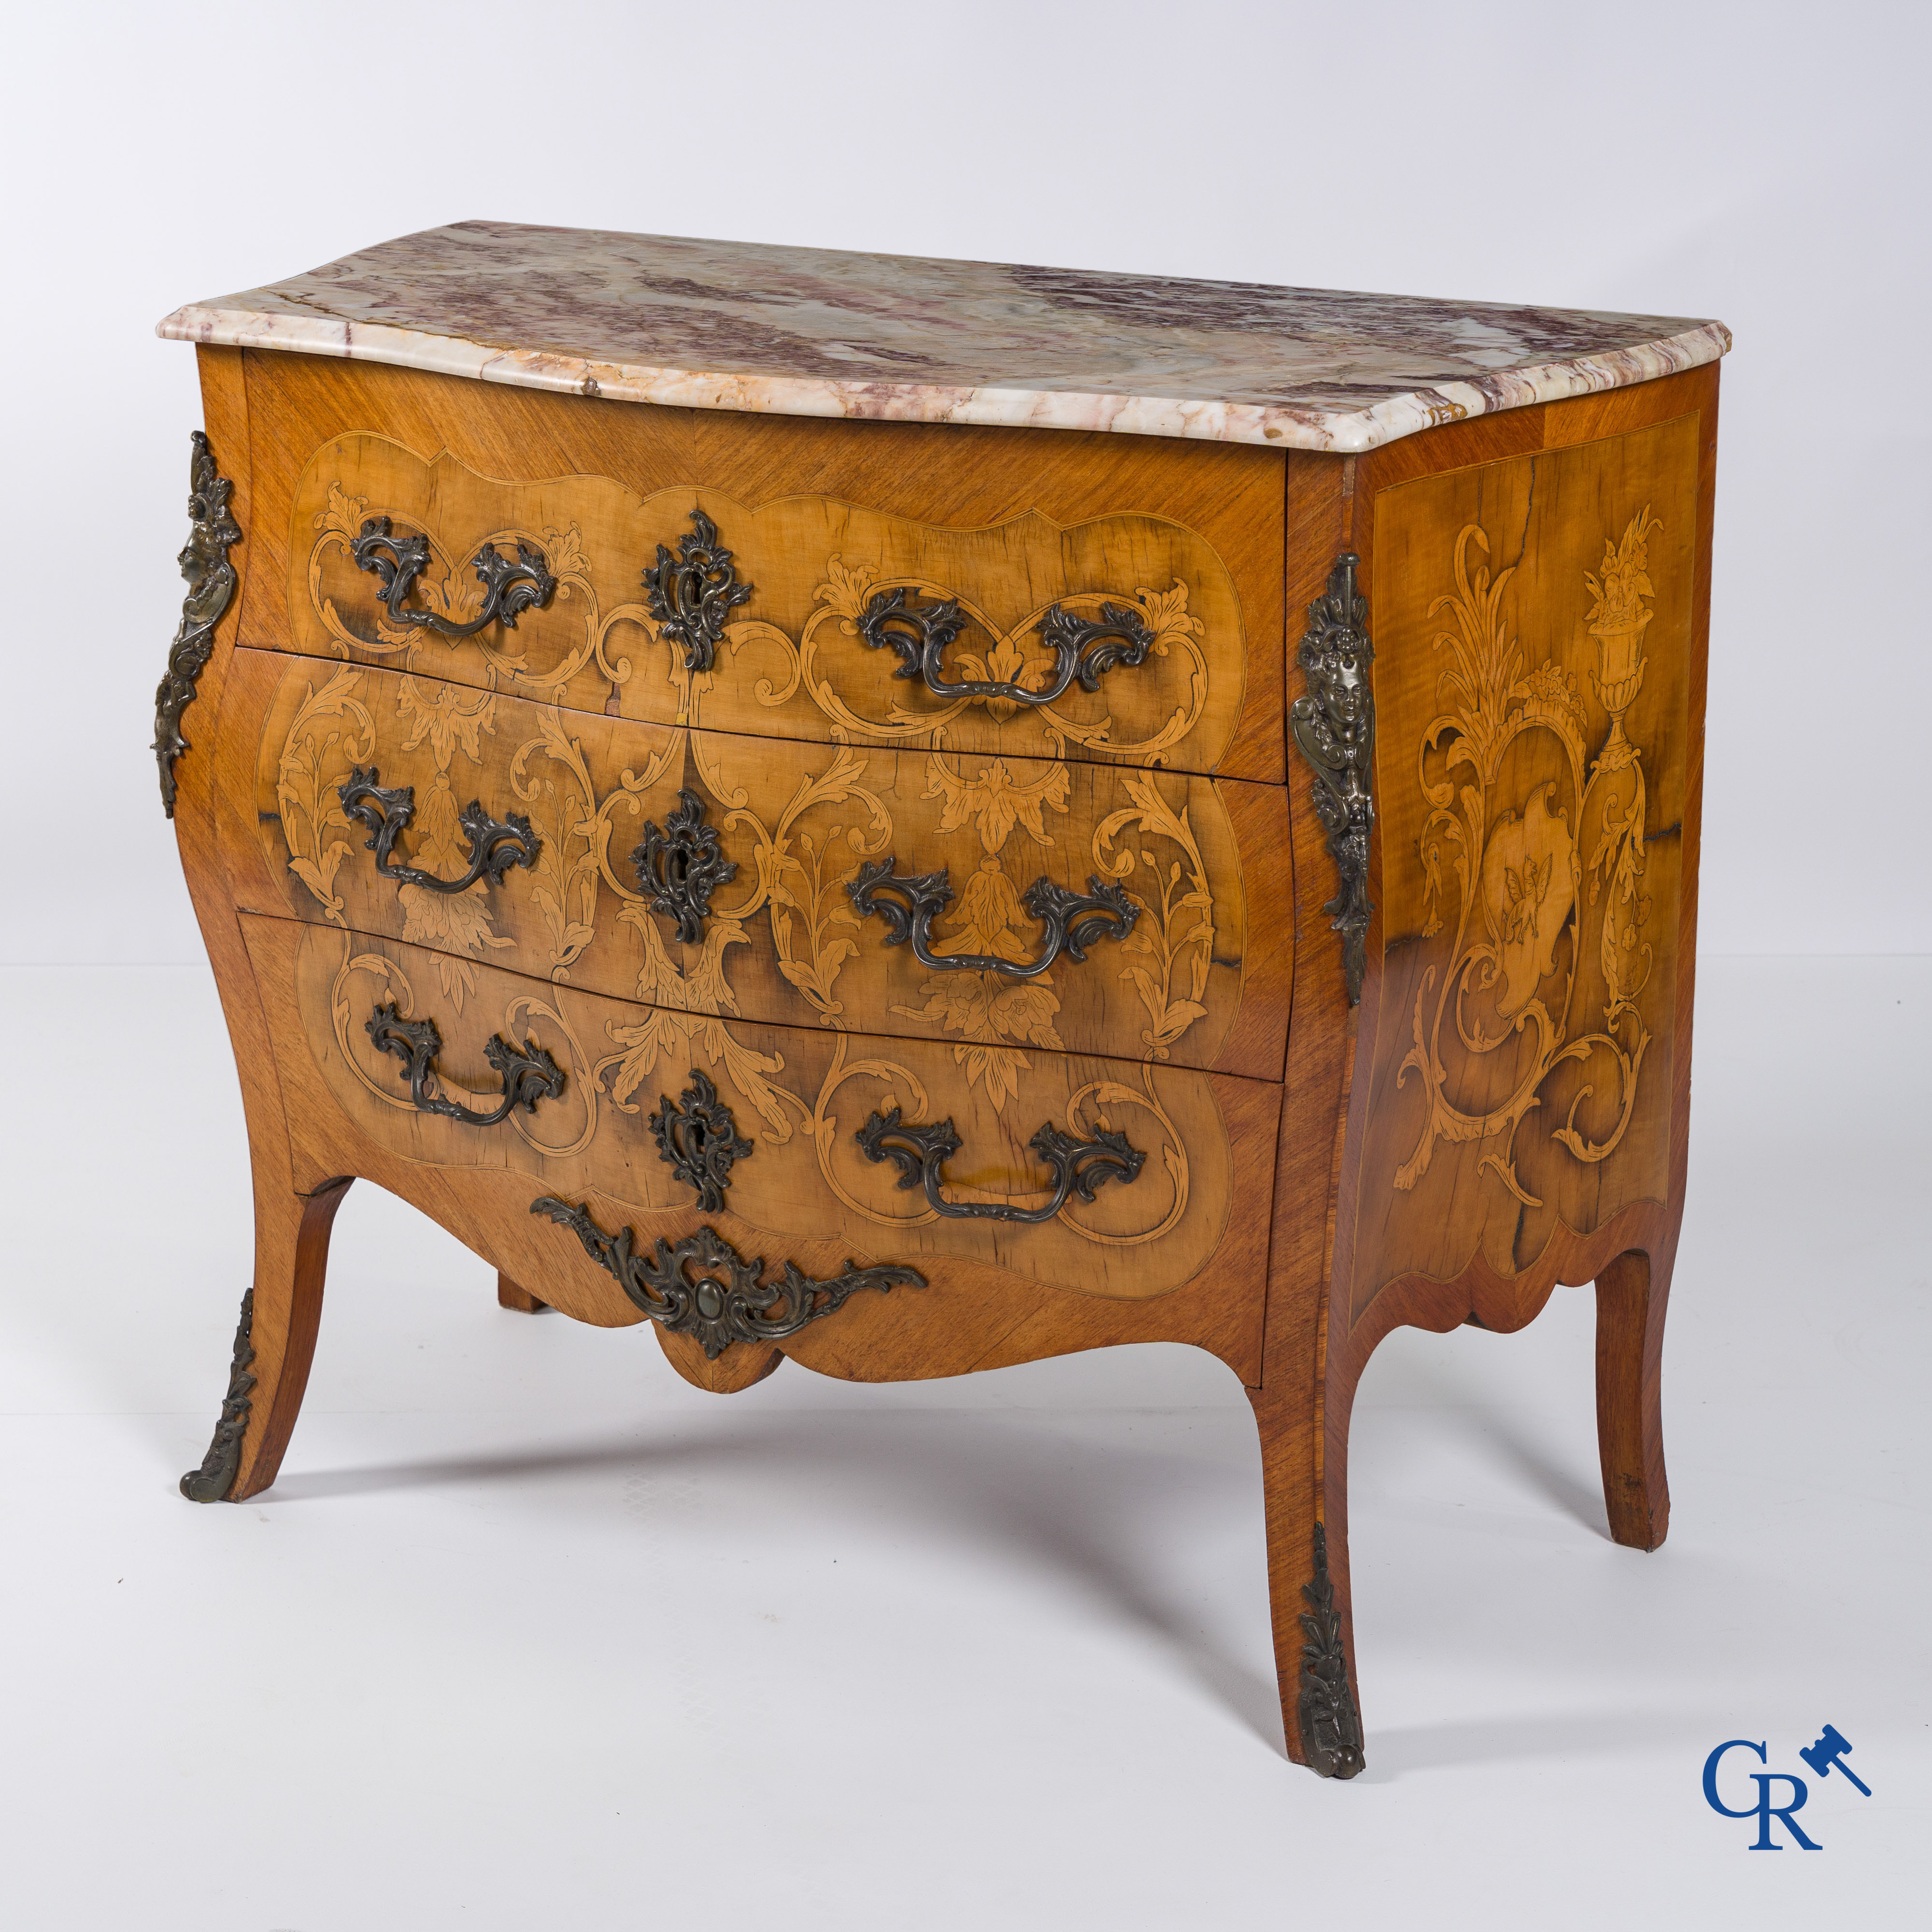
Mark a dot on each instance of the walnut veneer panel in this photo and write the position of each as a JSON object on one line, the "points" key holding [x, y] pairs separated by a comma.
{"points": [[1533, 621], [783, 940], [821, 518]]}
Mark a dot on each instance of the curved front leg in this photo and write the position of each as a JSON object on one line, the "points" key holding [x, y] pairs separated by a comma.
{"points": [[274, 1345], [1308, 1581]]}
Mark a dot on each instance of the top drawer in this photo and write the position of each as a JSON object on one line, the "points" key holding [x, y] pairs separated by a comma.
{"points": [[906, 587], [1119, 639]]}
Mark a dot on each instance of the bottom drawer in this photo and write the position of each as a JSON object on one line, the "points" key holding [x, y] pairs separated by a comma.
{"points": [[1098, 1178]]}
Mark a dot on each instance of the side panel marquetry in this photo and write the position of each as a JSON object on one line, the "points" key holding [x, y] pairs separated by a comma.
{"points": [[716, 874], [802, 617], [1533, 626], [796, 1098]]}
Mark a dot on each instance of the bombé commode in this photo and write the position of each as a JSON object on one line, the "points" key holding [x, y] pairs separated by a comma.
{"points": [[918, 815]]}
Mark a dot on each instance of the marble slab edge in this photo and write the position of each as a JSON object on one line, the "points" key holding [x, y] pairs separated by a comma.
{"points": [[1276, 426]]}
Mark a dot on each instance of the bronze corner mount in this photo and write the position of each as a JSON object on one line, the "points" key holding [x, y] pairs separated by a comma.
{"points": [[212, 532], [211, 1482], [1333, 726], [703, 1286], [1331, 1729]]}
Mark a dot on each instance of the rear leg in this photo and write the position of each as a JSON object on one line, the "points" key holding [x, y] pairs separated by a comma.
{"points": [[509, 1295], [1631, 1295]]}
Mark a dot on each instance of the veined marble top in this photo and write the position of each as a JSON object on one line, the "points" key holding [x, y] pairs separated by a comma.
{"points": [[821, 332]]}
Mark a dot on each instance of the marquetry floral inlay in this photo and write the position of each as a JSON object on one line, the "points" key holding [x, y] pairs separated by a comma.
{"points": [[448, 719], [331, 733], [1544, 871]]}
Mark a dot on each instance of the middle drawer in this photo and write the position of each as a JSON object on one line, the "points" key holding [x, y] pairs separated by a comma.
{"points": [[1004, 904]]}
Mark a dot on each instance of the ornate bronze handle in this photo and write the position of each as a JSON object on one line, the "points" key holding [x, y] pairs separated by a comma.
{"points": [[493, 848], [1074, 921], [682, 865], [1083, 648], [729, 1302], [1078, 1166], [528, 1073], [510, 586]]}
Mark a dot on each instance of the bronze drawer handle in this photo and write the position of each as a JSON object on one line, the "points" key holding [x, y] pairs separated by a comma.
{"points": [[728, 1302], [493, 848], [1078, 1166], [510, 585], [1083, 648], [528, 1072], [1074, 921]]}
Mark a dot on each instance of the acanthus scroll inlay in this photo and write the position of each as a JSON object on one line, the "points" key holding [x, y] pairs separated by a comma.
{"points": [[995, 954], [986, 989], [1030, 637], [1542, 875]]}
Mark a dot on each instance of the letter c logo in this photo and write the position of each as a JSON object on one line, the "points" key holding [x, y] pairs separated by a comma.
{"points": [[1710, 1777]]}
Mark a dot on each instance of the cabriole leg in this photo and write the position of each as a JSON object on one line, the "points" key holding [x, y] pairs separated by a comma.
{"points": [[274, 1346], [1630, 1298], [1308, 1582]]}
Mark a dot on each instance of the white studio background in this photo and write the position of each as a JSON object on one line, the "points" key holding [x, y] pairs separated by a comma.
{"points": [[1764, 164], [530, 1634]]}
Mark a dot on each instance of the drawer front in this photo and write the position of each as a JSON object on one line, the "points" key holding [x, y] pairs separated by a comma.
{"points": [[1117, 639], [1009, 906], [773, 1133]]}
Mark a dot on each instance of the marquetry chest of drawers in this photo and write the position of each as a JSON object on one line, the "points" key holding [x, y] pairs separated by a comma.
{"points": [[916, 816]]}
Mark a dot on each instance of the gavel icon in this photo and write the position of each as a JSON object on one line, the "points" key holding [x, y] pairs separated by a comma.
{"points": [[1828, 1755]]}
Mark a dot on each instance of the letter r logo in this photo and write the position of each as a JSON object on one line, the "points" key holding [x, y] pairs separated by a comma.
{"points": [[1763, 1811]]}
